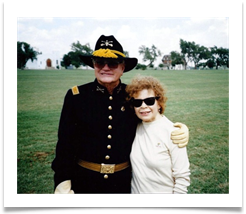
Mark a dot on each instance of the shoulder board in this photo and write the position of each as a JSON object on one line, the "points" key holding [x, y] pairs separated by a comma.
{"points": [[75, 90]]}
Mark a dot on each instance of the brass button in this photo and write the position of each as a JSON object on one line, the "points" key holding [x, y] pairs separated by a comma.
{"points": [[109, 136], [108, 146], [105, 176], [111, 98], [107, 157], [109, 127], [110, 117], [110, 108]]}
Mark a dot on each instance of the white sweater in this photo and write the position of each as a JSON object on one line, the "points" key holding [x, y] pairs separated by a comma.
{"points": [[158, 165]]}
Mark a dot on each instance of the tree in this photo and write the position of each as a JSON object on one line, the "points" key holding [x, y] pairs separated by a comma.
{"points": [[79, 49], [75, 59], [176, 58], [199, 53], [220, 56], [186, 51], [83, 49], [141, 66], [126, 53], [66, 61], [161, 66], [210, 63], [72, 57], [149, 54], [24, 53]]}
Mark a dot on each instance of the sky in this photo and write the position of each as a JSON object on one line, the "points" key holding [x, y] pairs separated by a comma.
{"points": [[57, 34]]}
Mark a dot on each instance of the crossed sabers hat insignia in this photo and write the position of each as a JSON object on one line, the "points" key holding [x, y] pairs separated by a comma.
{"points": [[107, 43]]}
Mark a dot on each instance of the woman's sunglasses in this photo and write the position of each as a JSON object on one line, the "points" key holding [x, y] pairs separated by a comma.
{"points": [[112, 63], [148, 101]]}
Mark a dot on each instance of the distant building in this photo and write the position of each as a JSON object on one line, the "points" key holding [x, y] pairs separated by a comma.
{"points": [[167, 62], [45, 61]]}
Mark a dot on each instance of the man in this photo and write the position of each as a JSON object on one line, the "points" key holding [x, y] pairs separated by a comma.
{"points": [[97, 127]]}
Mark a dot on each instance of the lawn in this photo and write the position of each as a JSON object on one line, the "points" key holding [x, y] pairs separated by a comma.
{"points": [[198, 98]]}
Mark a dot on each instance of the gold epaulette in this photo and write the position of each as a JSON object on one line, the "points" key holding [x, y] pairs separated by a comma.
{"points": [[75, 90]]}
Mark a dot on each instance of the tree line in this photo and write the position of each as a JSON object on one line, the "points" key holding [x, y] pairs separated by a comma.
{"points": [[201, 56], [190, 52]]}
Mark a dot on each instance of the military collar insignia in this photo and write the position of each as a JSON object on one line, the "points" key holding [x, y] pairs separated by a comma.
{"points": [[100, 89], [118, 89]]}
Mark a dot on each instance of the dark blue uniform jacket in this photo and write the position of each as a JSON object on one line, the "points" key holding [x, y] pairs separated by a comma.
{"points": [[93, 125]]}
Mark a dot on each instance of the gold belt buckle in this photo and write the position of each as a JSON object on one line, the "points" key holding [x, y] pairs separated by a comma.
{"points": [[107, 168]]}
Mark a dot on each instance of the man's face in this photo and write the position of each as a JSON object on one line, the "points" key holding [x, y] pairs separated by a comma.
{"points": [[108, 71]]}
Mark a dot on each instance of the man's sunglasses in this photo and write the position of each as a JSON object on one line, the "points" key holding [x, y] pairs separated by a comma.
{"points": [[112, 63], [148, 101]]}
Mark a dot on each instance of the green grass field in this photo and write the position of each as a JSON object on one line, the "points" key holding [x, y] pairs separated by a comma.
{"points": [[200, 99]]}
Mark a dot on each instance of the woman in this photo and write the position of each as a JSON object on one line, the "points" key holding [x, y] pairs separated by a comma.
{"points": [[158, 165]]}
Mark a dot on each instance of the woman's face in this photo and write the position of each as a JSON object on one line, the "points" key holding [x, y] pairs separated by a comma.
{"points": [[147, 113]]}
